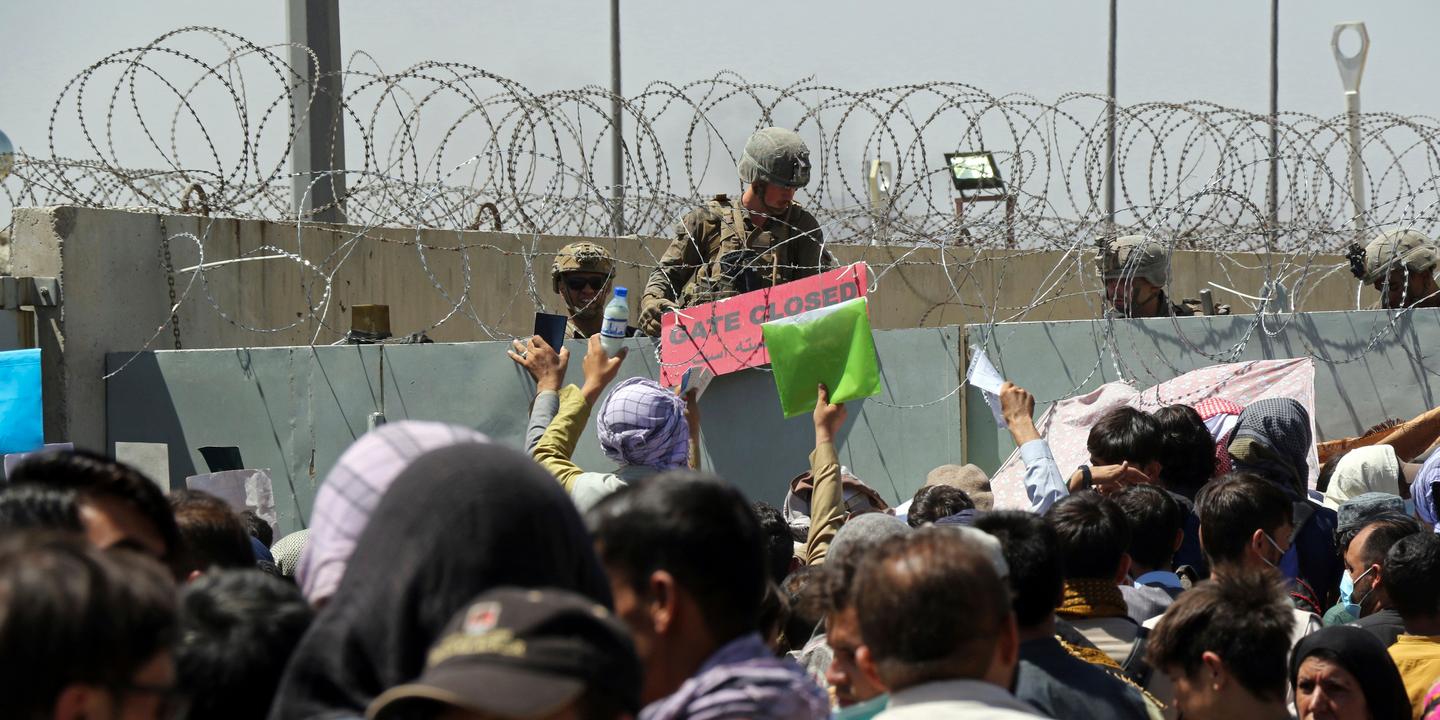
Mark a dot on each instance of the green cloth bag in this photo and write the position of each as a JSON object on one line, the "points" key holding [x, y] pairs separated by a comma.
{"points": [[830, 345]]}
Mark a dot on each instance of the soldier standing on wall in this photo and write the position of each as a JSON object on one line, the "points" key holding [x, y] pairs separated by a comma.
{"points": [[722, 249], [1136, 269]]}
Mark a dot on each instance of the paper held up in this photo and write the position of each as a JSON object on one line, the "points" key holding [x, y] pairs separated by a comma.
{"points": [[241, 490], [983, 376], [831, 345]]}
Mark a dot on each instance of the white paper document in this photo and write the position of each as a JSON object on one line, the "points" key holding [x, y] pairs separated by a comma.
{"points": [[985, 378]]}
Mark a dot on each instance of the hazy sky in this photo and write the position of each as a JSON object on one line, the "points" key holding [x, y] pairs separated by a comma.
{"points": [[1215, 50]]}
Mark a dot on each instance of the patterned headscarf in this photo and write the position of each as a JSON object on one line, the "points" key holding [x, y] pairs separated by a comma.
{"points": [[352, 490], [642, 423], [1422, 491], [1273, 440], [1220, 417], [288, 550]]}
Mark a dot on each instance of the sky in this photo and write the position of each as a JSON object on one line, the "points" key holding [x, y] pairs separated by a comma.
{"points": [[1216, 51]]}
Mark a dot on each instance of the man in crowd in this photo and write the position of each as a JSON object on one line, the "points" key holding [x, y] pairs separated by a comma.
{"points": [[856, 541], [1135, 270], [938, 662], [1369, 595], [725, 249], [212, 535], [1412, 574], [687, 569], [1050, 678], [1245, 526], [1156, 531], [84, 632], [119, 506], [582, 275], [1401, 265], [1224, 645], [1094, 536]]}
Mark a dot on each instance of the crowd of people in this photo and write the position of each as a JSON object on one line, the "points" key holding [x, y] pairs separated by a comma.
{"points": [[1188, 570]]}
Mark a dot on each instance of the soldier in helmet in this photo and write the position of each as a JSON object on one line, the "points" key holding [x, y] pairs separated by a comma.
{"points": [[1136, 269], [724, 248], [1401, 265], [582, 274]]}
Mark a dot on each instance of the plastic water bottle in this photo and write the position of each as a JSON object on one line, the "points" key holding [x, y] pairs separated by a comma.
{"points": [[617, 318]]}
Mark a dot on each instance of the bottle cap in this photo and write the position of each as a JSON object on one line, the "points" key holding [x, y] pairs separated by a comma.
{"points": [[620, 291]]}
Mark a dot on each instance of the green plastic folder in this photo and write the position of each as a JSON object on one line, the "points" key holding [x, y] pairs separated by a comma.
{"points": [[830, 345]]}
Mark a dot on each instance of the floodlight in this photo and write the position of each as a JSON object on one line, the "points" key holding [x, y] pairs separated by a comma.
{"points": [[974, 170]]}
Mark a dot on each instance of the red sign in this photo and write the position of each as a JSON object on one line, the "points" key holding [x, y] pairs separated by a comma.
{"points": [[725, 335]]}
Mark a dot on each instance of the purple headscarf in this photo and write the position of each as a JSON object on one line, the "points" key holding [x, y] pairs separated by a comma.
{"points": [[642, 423], [353, 488]]}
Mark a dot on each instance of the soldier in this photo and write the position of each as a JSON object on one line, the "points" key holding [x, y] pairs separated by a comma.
{"points": [[1401, 265], [582, 274], [1135, 270], [724, 249]]}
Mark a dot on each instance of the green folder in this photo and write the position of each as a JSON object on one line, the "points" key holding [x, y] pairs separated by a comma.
{"points": [[830, 345]]}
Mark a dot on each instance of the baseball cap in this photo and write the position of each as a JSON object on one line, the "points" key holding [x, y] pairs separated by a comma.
{"points": [[518, 653]]}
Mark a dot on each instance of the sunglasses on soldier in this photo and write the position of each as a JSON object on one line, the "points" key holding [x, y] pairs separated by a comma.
{"points": [[596, 282]]}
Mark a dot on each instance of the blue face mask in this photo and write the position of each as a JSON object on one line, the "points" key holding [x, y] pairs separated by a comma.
{"points": [[864, 710], [1410, 508], [1347, 587]]}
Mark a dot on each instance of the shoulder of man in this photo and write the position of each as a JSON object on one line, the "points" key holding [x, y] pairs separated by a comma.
{"points": [[1190, 307], [707, 216]]}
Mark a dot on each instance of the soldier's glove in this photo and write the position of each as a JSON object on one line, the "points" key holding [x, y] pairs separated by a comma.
{"points": [[651, 315]]}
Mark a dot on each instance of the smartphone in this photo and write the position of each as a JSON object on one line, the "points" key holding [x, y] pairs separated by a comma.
{"points": [[551, 328]]}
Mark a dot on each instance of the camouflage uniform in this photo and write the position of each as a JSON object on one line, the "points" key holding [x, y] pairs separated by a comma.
{"points": [[718, 252], [1135, 256]]}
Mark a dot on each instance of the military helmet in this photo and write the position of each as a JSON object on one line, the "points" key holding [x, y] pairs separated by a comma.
{"points": [[776, 155], [580, 257], [1406, 247], [1135, 256]]}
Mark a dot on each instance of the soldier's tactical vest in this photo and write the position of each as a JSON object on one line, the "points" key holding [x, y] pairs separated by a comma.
{"points": [[741, 259]]}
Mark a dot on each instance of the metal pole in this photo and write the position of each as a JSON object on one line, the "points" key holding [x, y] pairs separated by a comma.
{"points": [[617, 154], [1273, 196], [1351, 69], [1110, 125], [319, 146]]}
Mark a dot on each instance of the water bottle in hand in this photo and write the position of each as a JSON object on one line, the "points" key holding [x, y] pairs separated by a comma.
{"points": [[617, 319]]}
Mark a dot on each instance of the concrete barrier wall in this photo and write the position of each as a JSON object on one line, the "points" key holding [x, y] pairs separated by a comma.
{"points": [[1369, 366], [293, 410], [468, 286]]}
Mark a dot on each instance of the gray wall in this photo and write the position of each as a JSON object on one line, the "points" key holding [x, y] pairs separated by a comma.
{"points": [[295, 409], [1369, 365]]}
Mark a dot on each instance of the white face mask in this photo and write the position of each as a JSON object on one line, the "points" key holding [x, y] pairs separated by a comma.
{"points": [[1277, 549]]}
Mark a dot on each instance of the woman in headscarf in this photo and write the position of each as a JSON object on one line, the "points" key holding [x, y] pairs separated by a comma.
{"points": [[1345, 673], [1273, 440], [456, 522], [352, 489], [642, 426]]}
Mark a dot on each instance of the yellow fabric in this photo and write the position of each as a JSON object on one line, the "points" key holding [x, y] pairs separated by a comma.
{"points": [[1091, 655], [1091, 598], [557, 445], [827, 503], [1418, 659]]}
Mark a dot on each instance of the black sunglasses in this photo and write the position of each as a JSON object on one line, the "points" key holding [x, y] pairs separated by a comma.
{"points": [[577, 283]]}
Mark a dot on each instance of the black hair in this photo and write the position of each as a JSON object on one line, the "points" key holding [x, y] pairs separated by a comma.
{"points": [[804, 591], [1187, 449], [32, 506], [73, 613], [91, 475], [1155, 518], [238, 629], [1094, 535], [779, 543], [1244, 617], [933, 502], [1412, 575], [259, 527], [1232, 508], [211, 534], [698, 529], [1031, 550], [1389, 528], [908, 597], [1125, 435]]}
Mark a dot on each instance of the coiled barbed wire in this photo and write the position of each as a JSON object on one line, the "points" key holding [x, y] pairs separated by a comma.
{"points": [[439, 145]]}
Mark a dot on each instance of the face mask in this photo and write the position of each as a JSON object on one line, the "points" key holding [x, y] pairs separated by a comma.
{"points": [[863, 710], [1277, 547], [1410, 508], [1347, 587]]}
